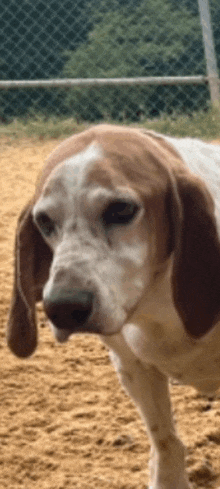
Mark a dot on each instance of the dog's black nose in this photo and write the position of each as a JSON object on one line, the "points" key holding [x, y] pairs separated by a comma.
{"points": [[69, 309]]}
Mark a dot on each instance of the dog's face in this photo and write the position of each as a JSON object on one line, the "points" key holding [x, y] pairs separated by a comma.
{"points": [[96, 229], [111, 206]]}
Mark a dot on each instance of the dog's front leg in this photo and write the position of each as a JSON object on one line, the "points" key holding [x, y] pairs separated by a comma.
{"points": [[149, 389]]}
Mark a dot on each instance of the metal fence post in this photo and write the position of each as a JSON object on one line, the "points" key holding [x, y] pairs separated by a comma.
{"points": [[211, 63]]}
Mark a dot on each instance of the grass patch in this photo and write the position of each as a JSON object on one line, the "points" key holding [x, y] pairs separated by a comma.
{"points": [[41, 128], [198, 125], [204, 125]]}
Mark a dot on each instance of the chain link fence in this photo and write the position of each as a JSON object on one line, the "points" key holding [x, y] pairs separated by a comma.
{"points": [[109, 39]]}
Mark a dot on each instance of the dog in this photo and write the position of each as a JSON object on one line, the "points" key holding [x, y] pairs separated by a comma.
{"points": [[122, 239]]}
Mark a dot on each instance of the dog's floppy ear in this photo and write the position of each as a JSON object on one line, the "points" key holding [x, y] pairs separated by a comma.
{"points": [[31, 269], [193, 240], [196, 267]]}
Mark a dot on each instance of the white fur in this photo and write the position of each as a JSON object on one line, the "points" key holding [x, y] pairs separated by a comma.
{"points": [[117, 273], [148, 342]]}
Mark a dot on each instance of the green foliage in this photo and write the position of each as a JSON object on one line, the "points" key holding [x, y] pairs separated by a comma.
{"points": [[142, 42], [137, 39], [34, 34], [109, 38]]}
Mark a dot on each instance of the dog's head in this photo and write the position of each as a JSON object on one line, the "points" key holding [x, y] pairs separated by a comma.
{"points": [[111, 206]]}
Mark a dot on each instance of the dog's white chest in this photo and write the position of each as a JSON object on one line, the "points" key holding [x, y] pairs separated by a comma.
{"points": [[180, 356]]}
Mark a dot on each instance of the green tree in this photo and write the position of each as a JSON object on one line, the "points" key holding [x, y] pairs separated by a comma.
{"points": [[34, 34], [145, 38], [109, 38]]}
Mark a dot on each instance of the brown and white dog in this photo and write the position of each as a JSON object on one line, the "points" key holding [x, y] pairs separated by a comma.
{"points": [[121, 239]]}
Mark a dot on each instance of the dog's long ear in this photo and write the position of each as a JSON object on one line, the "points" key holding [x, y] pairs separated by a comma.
{"points": [[196, 268], [31, 269], [193, 238]]}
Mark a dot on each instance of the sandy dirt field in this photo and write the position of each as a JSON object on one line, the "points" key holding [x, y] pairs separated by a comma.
{"points": [[65, 422]]}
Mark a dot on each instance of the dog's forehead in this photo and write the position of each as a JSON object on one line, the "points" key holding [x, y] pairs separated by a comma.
{"points": [[70, 174]]}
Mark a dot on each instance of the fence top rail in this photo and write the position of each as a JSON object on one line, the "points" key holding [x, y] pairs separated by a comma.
{"points": [[71, 82]]}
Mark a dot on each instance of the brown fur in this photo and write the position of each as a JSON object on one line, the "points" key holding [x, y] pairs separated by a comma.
{"points": [[31, 269], [178, 207]]}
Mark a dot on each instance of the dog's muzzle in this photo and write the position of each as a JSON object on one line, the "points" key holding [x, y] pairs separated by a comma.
{"points": [[71, 309]]}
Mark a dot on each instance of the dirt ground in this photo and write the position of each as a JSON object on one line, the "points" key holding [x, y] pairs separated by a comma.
{"points": [[65, 422]]}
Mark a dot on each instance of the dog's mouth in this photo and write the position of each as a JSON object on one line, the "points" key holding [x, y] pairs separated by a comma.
{"points": [[61, 335], [79, 311], [72, 321]]}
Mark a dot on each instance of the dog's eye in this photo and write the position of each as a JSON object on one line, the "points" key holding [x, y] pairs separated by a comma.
{"points": [[119, 212], [45, 224]]}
